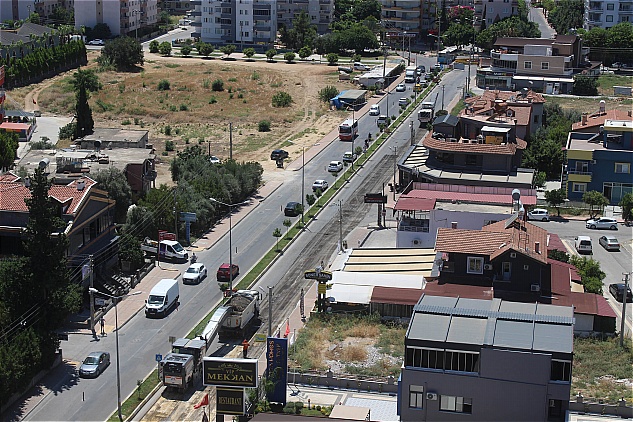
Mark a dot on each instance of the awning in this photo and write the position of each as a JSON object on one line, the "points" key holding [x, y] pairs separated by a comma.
{"points": [[532, 78], [496, 129], [415, 204]]}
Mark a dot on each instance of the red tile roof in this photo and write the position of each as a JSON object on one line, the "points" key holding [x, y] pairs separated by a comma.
{"points": [[13, 194], [483, 198], [489, 96], [597, 119], [15, 126], [414, 204], [504, 149], [555, 243], [396, 295], [573, 271], [523, 238]]}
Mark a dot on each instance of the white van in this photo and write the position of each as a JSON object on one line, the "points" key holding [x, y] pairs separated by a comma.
{"points": [[583, 244], [409, 74], [162, 298]]}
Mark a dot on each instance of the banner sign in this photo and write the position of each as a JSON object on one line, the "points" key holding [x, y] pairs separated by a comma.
{"points": [[229, 401], [229, 372], [277, 367], [375, 198], [317, 274]]}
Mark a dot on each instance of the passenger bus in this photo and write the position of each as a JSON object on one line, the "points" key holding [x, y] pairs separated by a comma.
{"points": [[348, 130]]}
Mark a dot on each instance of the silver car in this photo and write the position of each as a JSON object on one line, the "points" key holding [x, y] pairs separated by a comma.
{"points": [[602, 223], [94, 364], [539, 214], [609, 242]]}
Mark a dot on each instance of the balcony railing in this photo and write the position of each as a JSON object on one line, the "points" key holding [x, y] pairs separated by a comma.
{"points": [[584, 173]]}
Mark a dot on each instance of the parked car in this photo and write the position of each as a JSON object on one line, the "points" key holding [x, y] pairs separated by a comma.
{"points": [[194, 274], [96, 42], [319, 184], [292, 209], [602, 223], [374, 110], [214, 160], [401, 88], [616, 65], [278, 154], [223, 273], [94, 364], [360, 66], [346, 69], [583, 244], [349, 156], [609, 242], [404, 101], [539, 214], [335, 166], [617, 291]]}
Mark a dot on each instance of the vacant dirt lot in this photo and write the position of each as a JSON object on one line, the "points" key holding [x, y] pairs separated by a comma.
{"points": [[191, 112]]}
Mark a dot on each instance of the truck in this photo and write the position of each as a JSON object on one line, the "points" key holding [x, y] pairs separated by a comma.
{"points": [[176, 370], [163, 296], [196, 347], [409, 74], [425, 115], [167, 249], [243, 309]]}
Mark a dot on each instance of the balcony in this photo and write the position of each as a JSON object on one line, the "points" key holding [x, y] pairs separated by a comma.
{"points": [[627, 10]]}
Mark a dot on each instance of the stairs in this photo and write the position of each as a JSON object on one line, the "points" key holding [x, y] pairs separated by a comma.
{"points": [[112, 284]]}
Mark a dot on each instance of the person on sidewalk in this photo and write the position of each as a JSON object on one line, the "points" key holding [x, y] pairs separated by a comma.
{"points": [[245, 348], [102, 322]]}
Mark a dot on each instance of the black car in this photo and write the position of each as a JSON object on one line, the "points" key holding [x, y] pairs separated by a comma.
{"points": [[278, 154], [617, 291], [292, 209]]}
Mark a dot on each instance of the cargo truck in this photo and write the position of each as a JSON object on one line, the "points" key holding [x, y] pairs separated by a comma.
{"points": [[167, 249], [409, 74], [425, 115], [243, 307], [177, 370], [196, 347]]}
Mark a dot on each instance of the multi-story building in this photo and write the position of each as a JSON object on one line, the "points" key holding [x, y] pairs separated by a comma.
{"points": [[178, 7], [547, 65], [405, 16], [243, 22], [607, 13], [321, 13], [475, 359], [122, 17], [600, 161], [45, 8]]}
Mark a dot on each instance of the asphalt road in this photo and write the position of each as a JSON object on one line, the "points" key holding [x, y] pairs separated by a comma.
{"points": [[536, 15], [612, 263], [141, 339]]}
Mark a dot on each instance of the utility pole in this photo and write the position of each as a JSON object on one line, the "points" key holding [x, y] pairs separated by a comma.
{"points": [[442, 97], [175, 219], [303, 182], [230, 140], [92, 298], [624, 298], [270, 311], [340, 224], [412, 133]]}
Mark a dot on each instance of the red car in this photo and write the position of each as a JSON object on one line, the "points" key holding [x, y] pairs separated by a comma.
{"points": [[224, 274]]}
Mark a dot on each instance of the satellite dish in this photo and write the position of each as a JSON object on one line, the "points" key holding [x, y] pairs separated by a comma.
{"points": [[97, 144], [516, 194]]}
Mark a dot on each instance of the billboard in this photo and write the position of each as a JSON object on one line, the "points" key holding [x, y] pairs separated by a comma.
{"points": [[277, 366], [229, 401], [223, 372]]}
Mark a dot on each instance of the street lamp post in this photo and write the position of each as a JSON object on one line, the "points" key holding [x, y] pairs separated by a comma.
{"points": [[230, 237], [395, 158], [136, 13], [116, 299]]}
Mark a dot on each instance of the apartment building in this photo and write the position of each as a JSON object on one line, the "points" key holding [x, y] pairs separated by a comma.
{"points": [[44, 8], [178, 7], [491, 11], [402, 16], [122, 17], [547, 65], [605, 14], [321, 13], [244, 23]]}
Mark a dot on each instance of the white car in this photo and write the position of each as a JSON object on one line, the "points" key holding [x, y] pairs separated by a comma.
{"points": [[374, 110], [360, 66], [404, 101], [319, 184], [194, 274], [335, 166], [96, 42], [348, 157], [401, 88], [602, 223], [538, 214], [214, 160]]}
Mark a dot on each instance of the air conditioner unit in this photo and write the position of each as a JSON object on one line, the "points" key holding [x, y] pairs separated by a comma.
{"points": [[526, 267], [535, 288], [487, 267], [593, 162], [431, 396], [513, 254]]}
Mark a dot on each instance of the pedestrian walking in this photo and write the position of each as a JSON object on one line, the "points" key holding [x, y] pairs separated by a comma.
{"points": [[102, 322], [245, 348], [322, 265]]}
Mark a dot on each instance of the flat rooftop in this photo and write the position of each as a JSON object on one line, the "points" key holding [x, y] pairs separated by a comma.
{"points": [[117, 157]]}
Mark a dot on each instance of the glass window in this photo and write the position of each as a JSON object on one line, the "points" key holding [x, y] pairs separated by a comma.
{"points": [[416, 396], [622, 167], [609, 18], [475, 265], [610, 6], [582, 166], [456, 404], [545, 66], [527, 65], [560, 371], [579, 187]]}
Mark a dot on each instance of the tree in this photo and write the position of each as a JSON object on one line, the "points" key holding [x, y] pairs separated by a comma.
{"points": [[228, 49], [627, 206], [596, 200], [185, 50], [458, 34], [508, 27], [205, 49], [270, 54], [249, 52], [101, 31], [34, 17], [113, 181], [327, 93], [164, 48], [84, 81], [124, 52], [130, 250], [305, 52], [287, 223], [153, 46], [364, 9], [557, 255], [543, 155], [332, 58], [302, 33], [567, 14], [289, 57], [9, 144], [556, 198], [277, 235], [281, 99], [60, 15], [585, 85], [591, 275]]}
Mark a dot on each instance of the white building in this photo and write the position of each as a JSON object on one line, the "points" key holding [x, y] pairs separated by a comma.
{"points": [[122, 17], [321, 13], [606, 13], [15, 9]]}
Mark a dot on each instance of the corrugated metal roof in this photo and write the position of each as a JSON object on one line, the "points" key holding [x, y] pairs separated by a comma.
{"points": [[553, 338], [467, 330], [396, 295], [428, 302], [518, 308], [429, 327], [514, 334], [554, 310]]}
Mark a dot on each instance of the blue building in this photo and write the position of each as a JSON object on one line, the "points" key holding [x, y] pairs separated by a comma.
{"points": [[600, 162]]}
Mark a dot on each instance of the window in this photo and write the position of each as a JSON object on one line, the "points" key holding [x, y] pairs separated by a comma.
{"points": [[610, 6], [560, 371], [579, 187], [609, 18], [545, 66], [424, 358], [527, 65], [456, 404], [475, 265], [416, 396], [582, 167], [536, 118], [461, 361], [471, 160], [622, 167]]}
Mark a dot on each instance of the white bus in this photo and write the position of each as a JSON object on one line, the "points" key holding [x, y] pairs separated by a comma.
{"points": [[348, 130]]}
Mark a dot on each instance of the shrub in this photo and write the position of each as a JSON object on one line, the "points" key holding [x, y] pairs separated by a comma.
{"points": [[183, 107], [185, 50], [270, 54], [126, 122], [327, 93], [164, 85], [289, 57], [68, 131], [153, 46], [169, 146], [332, 58], [168, 130], [305, 52], [43, 144], [213, 100], [249, 52], [217, 85], [282, 99], [165, 48]]}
